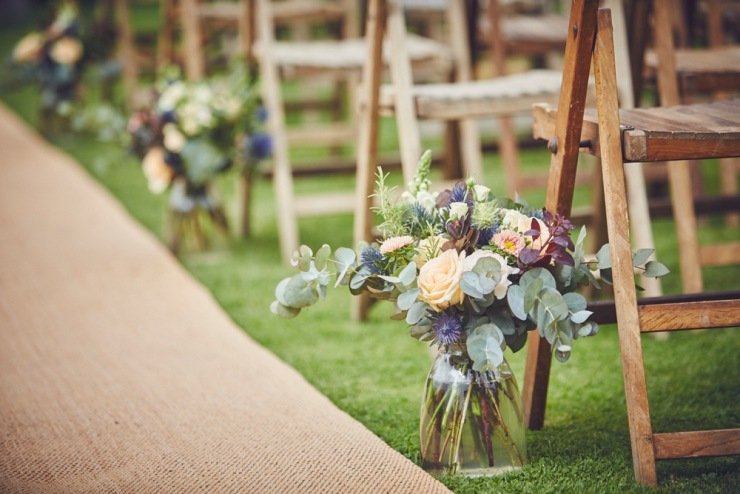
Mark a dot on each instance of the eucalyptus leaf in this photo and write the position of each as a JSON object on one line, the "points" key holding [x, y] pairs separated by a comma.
{"points": [[322, 256], [408, 274], [298, 293], [484, 347], [531, 293], [503, 322], [406, 299], [285, 312], [604, 256], [641, 256], [515, 298], [576, 302], [656, 269], [470, 285], [580, 316], [416, 313], [345, 260], [554, 303]]}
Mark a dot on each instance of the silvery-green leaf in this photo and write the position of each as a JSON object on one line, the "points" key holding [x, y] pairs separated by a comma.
{"points": [[304, 257], [469, 285], [641, 256], [406, 299], [604, 256], [285, 312], [581, 236], [606, 276], [408, 274], [420, 331], [358, 279], [576, 302], [554, 303], [503, 322], [548, 281], [345, 260], [531, 292], [416, 313], [280, 289], [655, 269], [487, 265], [322, 291], [298, 294], [484, 347], [580, 316], [322, 256], [390, 279], [589, 328], [515, 298]]}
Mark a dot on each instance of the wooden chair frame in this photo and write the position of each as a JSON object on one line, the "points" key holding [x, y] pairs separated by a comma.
{"points": [[592, 34]]}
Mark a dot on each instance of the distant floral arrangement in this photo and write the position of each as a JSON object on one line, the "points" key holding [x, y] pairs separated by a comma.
{"points": [[467, 271], [52, 58], [195, 130]]}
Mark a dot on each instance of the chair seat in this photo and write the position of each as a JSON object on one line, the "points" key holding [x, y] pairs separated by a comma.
{"points": [[706, 69], [527, 34], [698, 131], [494, 97], [348, 55]]}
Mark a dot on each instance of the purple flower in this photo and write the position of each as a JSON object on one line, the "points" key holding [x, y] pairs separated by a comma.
{"points": [[448, 327], [258, 146]]}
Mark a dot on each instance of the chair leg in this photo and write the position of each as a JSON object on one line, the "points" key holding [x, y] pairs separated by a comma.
{"points": [[628, 323], [367, 149], [728, 185], [272, 99], [194, 58]]}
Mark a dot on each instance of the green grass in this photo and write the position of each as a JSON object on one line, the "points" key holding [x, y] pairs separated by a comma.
{"points": [[375, 371]]}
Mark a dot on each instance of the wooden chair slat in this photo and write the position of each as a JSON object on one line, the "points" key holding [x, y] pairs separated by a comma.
{"points": [[695, 444]]}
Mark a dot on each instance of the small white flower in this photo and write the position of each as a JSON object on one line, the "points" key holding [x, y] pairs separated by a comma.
{"points": [[458, 210], [502, 283], [480, 193], [427, 199]]}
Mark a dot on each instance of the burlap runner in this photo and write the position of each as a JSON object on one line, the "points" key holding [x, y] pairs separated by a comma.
{"points": [[119, 373]]}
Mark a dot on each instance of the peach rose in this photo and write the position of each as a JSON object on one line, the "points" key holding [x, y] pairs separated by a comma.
{"points": [[29, 48], [439, 280], [66, 51], [156, 171]]}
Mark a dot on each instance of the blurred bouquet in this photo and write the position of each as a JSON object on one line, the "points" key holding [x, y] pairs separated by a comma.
{"points": [[473, 274], [53, 59], [194, 131]]}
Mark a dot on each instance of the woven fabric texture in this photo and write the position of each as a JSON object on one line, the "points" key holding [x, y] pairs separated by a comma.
{"points": [[119, 373]]}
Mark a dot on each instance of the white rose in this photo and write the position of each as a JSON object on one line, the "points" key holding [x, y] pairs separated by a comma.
{"points": [[513, 218], [458, 210]]}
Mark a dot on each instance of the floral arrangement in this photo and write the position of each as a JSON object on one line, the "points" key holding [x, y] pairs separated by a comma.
{"points": [[53, 58], [471, 273], [195, 130]]}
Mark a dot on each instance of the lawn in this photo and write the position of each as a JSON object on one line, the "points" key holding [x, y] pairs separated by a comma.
{"points": [[375, 372]]}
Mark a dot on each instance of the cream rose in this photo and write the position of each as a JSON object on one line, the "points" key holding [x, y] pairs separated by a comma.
{"points": [[439, 280], [173, 139]]}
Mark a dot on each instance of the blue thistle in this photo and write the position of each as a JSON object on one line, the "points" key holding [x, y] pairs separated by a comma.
{"points": [[460, 194], [373, 259], [486, 234], [448, 327], [169, 116]]}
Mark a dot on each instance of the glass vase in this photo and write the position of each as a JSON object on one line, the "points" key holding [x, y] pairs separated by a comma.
{"points": [[471, 422]]}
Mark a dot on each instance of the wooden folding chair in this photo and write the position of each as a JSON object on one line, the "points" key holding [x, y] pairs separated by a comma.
{"points": [[306, 60], [642, 135]]}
